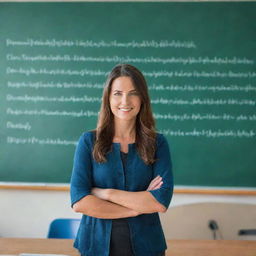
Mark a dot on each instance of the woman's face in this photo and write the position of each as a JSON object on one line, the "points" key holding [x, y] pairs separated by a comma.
{"points": [[124, 100]]}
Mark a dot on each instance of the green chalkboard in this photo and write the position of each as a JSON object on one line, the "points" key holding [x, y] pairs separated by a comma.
{"points": [[199, 61]]}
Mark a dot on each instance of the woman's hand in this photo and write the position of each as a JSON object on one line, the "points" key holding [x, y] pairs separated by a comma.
{"points": [[156, 183]]}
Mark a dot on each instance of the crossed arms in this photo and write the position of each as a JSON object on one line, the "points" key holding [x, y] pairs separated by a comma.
{"points": [[114, 203]]}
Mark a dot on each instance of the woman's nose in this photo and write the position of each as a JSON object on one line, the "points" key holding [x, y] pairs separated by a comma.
{"points": [[125, 99]]}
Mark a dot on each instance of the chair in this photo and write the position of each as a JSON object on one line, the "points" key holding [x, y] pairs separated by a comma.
{"points": [[63, 228], [247, 234]]}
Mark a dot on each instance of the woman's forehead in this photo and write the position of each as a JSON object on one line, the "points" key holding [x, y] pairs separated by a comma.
{"points": [[123, 83]]}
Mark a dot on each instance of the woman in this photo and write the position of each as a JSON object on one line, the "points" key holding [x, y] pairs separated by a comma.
{"points": [[122, 174]]}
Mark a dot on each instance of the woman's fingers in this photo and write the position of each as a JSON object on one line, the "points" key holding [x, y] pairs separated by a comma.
{"points": [[156, 180], [159, 185], [156, 183]]}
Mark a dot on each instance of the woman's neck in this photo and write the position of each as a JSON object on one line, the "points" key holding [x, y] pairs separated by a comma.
{"points": [[124, 132]]}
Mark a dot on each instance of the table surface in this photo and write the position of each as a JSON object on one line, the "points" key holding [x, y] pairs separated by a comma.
{"points": [[15, 246]]}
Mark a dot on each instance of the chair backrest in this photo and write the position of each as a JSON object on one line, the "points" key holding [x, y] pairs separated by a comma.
{"points": [[63, 228], [247, 234]]}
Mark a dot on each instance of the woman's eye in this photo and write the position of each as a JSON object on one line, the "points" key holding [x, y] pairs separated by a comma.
{"points": [[134, 93], [117, 93]]}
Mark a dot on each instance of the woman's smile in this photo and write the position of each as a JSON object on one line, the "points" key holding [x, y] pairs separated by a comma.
{"points": [[125, 109]]}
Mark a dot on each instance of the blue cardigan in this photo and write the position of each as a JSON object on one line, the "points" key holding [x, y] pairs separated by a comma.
{"points": [[147, 237]]}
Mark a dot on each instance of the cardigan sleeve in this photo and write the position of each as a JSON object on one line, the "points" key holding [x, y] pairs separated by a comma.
{"points": [[163, 168], [81, 178]]}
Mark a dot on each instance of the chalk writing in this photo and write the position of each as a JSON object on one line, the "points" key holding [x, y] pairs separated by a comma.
{"points": [[34, 140], [210, 133], [197, 75], [201, 74], [51, 84], [21, 126], [55, 72], [101, 44], [45, 112], [206, 101], [154, 74], [202, 117], [210, 88], [127, 59], [36, 99]]}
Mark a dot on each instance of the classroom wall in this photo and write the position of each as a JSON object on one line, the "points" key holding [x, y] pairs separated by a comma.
{"points": [[26, 213]]}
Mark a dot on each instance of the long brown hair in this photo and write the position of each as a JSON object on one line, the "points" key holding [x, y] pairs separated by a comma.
{"points": [[145, 124]]}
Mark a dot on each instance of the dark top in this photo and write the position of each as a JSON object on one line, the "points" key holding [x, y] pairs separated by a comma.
{"points": [[120, 242]]}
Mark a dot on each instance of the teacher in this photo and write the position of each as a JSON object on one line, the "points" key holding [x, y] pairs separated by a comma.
{"points": [[122, 174]]}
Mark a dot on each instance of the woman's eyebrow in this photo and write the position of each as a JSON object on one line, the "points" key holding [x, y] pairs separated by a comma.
{"points": [[134, 90]]}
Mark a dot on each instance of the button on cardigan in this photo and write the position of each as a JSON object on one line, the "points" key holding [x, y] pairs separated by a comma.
{"points": [[93, 237]]}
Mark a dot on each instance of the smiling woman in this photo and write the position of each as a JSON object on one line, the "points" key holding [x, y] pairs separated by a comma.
{"points": [[121, 80], [122, 174]]}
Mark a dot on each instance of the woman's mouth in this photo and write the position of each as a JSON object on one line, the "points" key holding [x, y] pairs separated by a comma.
{"points": [[125, 109]]}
